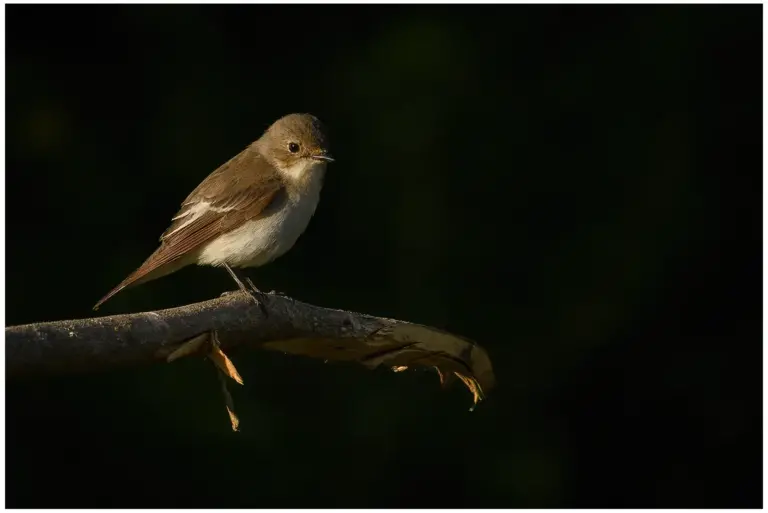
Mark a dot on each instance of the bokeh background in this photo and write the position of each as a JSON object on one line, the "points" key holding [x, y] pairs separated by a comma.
{"points": [[576, 188]]}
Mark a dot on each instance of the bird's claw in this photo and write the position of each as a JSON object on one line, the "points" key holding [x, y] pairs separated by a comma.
{"points": [[254, 292]]}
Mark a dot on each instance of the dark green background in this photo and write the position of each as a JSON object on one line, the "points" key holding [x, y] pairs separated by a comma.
{"points": [[576, 188]]}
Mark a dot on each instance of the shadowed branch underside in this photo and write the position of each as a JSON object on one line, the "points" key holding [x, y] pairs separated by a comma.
{"points": [[283, 324]]}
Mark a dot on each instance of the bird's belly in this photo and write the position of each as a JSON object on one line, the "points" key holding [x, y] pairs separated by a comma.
{"points": [[258, 241]]}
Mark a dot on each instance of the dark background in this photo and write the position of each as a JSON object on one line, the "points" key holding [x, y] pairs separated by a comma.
{"points": [[576, 188]]}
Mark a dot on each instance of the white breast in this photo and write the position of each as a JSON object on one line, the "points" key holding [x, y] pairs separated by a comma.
{"points": [[260, 241]]}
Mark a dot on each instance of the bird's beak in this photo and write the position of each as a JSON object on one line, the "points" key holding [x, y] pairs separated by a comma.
{"points": [[324, 157]]}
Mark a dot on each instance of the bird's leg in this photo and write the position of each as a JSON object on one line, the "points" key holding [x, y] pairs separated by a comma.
{"points": [[235, 277], [250, 284], [252, 291], [240, 283]]}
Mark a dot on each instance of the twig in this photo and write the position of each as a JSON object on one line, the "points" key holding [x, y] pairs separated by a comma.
{"points": [[101, 343]]}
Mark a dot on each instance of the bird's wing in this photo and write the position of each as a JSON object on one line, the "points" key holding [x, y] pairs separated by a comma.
{"points": [[223, 201], [226, 199]]}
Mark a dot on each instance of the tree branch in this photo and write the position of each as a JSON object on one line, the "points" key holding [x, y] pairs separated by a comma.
{"points": [[283, 324]]}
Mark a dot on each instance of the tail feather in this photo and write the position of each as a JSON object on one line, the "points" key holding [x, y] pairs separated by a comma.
{"points": [[133, 279], [114, 291], [149, 270], [123, 284]]}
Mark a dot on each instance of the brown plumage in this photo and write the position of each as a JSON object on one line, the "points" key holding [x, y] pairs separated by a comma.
{"points": [[263, 195]]}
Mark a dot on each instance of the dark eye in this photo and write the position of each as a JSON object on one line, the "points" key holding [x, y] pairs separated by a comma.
{"points": [[293, 147]]}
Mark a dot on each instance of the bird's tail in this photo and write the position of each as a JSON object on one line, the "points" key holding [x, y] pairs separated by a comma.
{"points": [[151, 269]]}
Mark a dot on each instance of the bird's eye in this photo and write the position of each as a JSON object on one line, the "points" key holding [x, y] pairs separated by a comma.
{"points": [[293, 147]]}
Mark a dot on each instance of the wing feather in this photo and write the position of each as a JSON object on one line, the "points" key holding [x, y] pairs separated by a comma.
{"points": [[226, 199]]}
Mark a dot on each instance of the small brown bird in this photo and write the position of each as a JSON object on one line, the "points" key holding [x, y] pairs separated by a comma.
{"points": [[250, 210]]}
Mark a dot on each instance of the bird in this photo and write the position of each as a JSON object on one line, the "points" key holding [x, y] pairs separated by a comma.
{"points": [[249, 211]]}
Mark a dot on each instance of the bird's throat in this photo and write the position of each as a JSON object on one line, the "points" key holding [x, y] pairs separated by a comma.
{"points": [[304, 177]]}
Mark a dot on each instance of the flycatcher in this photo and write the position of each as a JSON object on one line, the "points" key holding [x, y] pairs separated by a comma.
{"points": [[250, 210]]}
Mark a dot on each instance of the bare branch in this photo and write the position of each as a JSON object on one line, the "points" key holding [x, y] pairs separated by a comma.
{"points": [[284, 324]]}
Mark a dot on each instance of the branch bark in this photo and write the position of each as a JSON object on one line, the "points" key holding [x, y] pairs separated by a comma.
{"points": [[280, 324]]}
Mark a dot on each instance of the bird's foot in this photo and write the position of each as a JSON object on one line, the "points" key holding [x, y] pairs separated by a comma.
{"points": [[277, 293], [253, 293], [250, 292]]}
